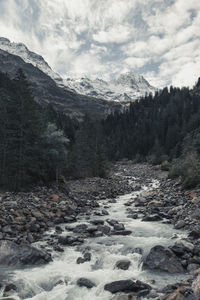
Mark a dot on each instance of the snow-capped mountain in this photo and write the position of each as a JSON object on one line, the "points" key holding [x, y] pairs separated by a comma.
{"points": [[127, 87], [28, 56]]}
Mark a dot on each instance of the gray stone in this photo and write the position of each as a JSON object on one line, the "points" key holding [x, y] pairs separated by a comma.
{"points": [[84, 282], [180, 224], [123, 264], [163, 259], [12, 254], [127, 286]]}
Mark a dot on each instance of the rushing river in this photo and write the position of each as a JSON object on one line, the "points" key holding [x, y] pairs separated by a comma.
{"points": [[57, 280]]}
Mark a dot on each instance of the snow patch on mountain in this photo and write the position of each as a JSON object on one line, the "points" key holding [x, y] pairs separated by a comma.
{"points": [[28, 56], [126, 88]]}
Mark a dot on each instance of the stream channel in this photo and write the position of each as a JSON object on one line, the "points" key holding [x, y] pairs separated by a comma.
{"points": [[58, 279]]}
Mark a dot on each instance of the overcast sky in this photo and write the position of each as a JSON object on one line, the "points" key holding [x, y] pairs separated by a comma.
{"points": [[103, 38]]}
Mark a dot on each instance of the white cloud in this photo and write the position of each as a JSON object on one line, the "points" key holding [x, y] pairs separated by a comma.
{"points": [[106, 37], [136, 62], [119, 34]]}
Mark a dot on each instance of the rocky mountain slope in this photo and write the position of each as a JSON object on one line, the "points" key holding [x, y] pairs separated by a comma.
{"points": [[46, 90], [127, 87]]}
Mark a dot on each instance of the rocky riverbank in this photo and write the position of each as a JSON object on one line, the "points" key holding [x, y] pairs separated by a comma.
{"points": [[26, 216]]}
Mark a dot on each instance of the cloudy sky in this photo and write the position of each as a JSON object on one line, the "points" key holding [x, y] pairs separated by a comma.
{"points": [[103, 38]]}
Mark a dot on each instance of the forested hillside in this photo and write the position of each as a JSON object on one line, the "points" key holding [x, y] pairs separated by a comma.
{"points": [[159, 129], [39, 145]]}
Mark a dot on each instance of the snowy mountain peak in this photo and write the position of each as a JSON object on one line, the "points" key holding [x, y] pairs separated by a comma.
{"points": [[28, 56], [132, 80], [125, 88]]}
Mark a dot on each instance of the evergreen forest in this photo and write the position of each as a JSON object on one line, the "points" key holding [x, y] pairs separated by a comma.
{"points": [[39, 145]]}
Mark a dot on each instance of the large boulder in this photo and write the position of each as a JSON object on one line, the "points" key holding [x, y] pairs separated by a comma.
{"points": [[127, 286], [163, 259], [12, 254]]}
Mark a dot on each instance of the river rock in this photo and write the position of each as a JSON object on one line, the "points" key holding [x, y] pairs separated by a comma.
{"points": [[91, 229], [119, 226], [12, 254], [84, 282], [112, 222], [86, 257], [7, 298], [97, 222], [152, 218], [104, 228], [123, 264], [70, 240], [127, 286], [81, 228], [182, 247], [121, 232], [180, 224], [163, 259]]}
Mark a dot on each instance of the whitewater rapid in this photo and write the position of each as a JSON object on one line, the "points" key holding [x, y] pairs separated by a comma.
{"points": [[57, 280]]}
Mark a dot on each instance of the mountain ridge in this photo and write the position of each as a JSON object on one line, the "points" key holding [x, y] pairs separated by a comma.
{"points": [[126, 88]]}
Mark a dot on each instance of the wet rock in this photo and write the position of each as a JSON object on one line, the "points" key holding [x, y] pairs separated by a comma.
{"points": [[195, 234], [91, 229], [192, 267], [133, 216], [9, 289], [103, 228], [151, 218], [112, 222], [123, 264], [97, 234], [105, 212], [81, 228], [69, 219], [119, 226], [84, 282], [7, 298], [70, 240], [97, 222], [127, 286], [12, 254], [121, 232], [180, 247], [180, 224], [86, 257], [58, 249], [163, 259]]}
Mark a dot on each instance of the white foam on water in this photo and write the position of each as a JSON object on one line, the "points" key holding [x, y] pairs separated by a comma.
{"points": [[57, 280]]}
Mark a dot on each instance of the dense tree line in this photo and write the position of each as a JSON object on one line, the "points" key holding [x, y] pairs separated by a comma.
{"points": [[154, 126], [31, 148], [39, 144]]}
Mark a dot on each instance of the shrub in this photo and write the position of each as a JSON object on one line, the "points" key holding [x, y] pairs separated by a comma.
{"points": [[188, 167]]}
